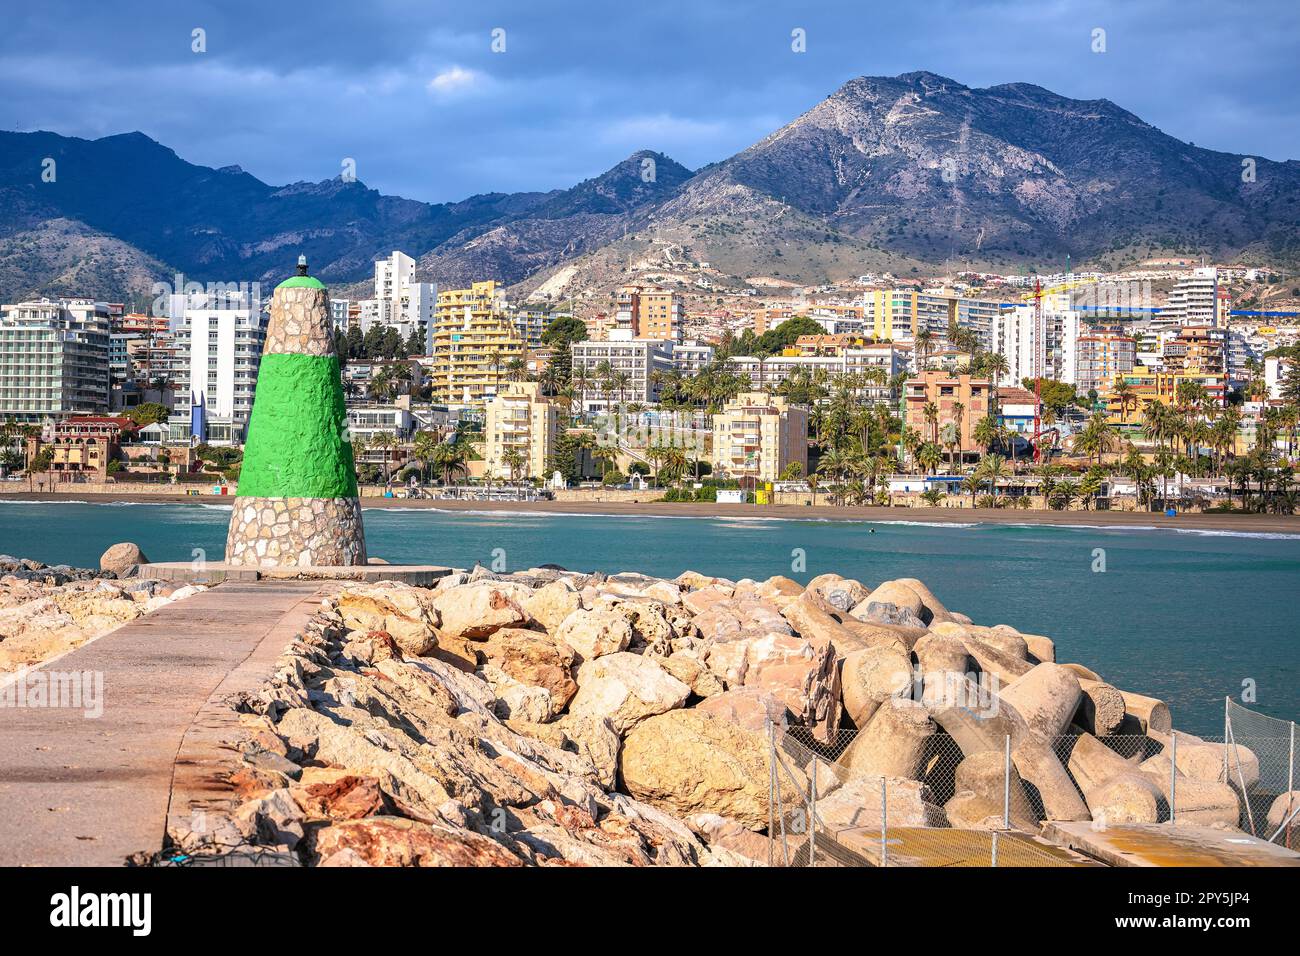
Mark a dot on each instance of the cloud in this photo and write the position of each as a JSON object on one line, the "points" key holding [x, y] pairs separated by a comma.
{"points": [[457, 80], [576, 93]]}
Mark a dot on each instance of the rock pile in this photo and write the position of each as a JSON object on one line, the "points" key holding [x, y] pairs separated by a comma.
{"points": [[45, 611], [549, 717]]}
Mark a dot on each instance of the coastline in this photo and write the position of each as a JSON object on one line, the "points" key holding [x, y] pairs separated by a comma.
{"points": [[1259, 524]]}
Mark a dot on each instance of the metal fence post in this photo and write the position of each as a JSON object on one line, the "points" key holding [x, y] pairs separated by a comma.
{"points": [[1290, 769], [812, 818], [1226, 777], [884, 809], [1006, 785], [771, 791], [1173, 777], [995, 848]]}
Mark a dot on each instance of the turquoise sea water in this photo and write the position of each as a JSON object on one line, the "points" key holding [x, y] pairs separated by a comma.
{"points": [[1183, 616]]}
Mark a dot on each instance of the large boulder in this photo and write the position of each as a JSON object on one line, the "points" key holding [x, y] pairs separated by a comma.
{"points": [[1198, 802], [691, 670], [932, 606], [595, 740], [1280, 811], [121, 557], [841, 593], [1101, 708], [594, 634], [1152, 715], [1131, 797], [550, 604], [986, 787], [856, 803], [747, 707], [396, 841], [477, 611], [894, 593], [804, 675], [534, 660], [406, 613], [625, 689], [687, 762]]}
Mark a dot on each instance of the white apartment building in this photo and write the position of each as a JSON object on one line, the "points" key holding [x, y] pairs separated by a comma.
{"points": [[767, 374], [400, 302], [54, 359], [218, 350], [1197, 299], [638, 359], [690, 357], [1021, 339]]}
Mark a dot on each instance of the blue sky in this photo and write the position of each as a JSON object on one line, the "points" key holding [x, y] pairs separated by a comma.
{"points": [[415, 94]]}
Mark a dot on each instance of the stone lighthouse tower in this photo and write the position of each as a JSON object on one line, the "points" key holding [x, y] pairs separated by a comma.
{"points": [[297, 501]]}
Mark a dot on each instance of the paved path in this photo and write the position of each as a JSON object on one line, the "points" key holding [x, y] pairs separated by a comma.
{"points": [[91, 792], [1159, 844]]}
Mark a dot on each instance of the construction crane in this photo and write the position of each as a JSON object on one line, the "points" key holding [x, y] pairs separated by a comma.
{"points": [[1039, 348]]}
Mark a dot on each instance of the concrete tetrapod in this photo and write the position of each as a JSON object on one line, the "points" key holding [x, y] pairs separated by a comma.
{"points": [[870, 676], [983, 783], [1101, 708], [893, 741], [1046, 696]]}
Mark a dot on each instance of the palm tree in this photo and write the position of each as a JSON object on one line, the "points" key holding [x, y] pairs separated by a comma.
{"points": [[991, 471], [1123, 391], [516, 462], [929, 457], [958, 413], [423, 449], [450, 458], [931, 413], [385, 442]]}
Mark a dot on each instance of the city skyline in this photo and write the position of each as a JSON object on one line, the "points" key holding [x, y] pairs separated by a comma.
{"points": [[563, 98]]}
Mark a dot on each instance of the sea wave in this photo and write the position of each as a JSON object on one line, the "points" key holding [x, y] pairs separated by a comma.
{"points": [[1207, 532]]}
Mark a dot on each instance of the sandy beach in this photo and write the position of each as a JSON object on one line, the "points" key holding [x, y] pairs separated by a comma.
{"points": [[1283, 524]]}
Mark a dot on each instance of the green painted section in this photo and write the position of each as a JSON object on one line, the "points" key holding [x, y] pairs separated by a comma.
{"points": [[301, 282], [296, 444]]}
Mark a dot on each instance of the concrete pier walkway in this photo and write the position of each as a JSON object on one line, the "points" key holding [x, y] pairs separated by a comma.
{"points": [[79, 791]]}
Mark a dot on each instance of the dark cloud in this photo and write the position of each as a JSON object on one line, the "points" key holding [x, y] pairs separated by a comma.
{"points": [[413, 92]]}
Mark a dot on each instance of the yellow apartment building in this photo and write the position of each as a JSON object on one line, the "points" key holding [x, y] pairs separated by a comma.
{"points": [[758, 435], [474, 339], [520, 419]]}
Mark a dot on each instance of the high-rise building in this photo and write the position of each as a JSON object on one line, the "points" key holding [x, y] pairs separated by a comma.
{"points": [[946, 391], [218, 351], [899, 315], [400, 302], [1050, 347], [520, 421], [650, 312], [1103, 354], [759, 435], [1197, 299], [474, 341], [54, 359]]}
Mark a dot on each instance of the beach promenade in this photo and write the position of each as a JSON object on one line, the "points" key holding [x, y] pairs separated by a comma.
{"points": [[78, 790]]}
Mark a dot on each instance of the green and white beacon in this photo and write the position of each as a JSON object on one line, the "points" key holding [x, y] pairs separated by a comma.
{"points": [[297, 502]]}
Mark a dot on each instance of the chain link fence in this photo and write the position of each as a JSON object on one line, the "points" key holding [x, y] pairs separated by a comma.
{"points": [[1259, 761], [824, 812]]}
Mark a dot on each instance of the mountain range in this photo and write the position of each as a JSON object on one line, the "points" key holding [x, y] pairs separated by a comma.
{"points": [[896, 173]]}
